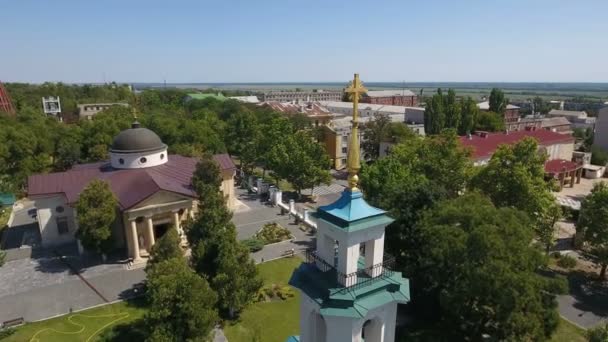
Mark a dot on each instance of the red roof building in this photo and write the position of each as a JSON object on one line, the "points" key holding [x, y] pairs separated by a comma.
{"points": [[484, 144]]}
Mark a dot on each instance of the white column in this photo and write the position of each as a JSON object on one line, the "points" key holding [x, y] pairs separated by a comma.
{"points": [[150, 234], [292, 206], [325, 248], [176, 222], [348, 256], [306, 213], [134, 241], [374, 254], [278, 195]]}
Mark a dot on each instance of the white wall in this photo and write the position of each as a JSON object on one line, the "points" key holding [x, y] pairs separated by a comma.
{"points": [[601, 129], [47, 215], [134, 160]]}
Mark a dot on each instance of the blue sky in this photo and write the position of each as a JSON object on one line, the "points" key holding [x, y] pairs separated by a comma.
{"points": [[304, 41]]}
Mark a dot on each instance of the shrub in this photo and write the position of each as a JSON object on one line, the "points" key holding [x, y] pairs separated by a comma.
{"points": [[274, 291], [253, 245], [566, 261], [599, 334], [273, 232], [2, 258]]}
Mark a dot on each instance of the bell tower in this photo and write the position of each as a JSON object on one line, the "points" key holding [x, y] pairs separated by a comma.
{"points": [[349, 291]]}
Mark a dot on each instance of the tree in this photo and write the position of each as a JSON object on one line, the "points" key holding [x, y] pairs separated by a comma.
{"points": [[514, 177], [470, 253], [497, 102], [417, 174], [599, 156], [96, 212], [598, 334], [182, 305], [216, 253], [452, 110], [540, 106], [374, 132], [490, 122], [165, 248], [434, 114], [237, 279], [593, 224], [301, 161], [469, 114]]}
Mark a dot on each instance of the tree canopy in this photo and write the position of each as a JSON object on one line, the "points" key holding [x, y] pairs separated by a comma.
{"points": [[96, 211], [165, 248], [470, 252], [181, 303], [593, 224], [498, 102], [380, 129], [445, 111]]}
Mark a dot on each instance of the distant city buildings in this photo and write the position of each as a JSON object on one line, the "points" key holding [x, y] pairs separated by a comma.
{"points": [[578, 119], [316, 113], [312, 95], [245, 99], [391, 97], [88, 110]]}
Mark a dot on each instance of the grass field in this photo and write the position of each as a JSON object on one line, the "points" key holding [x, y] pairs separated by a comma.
{"points": [[78, 327], [568, 332], [270, 321]]}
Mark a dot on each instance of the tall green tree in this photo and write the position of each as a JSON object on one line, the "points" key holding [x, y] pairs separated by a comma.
{"points": [[469, 114], [470, 252], [514, 177], [498, 102], [453, 110], [374, 132], [417, 174], [165, 248], [593, 224], [182, 305], [96, 213], [216, 253], [434, 114], [301, 161], [490, 122]]}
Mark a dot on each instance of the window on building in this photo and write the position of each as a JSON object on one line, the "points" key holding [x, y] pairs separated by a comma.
{"points": [[344, 150], [143, 160], [62, 225], [59, 209], [121, 161], [162, 156]]}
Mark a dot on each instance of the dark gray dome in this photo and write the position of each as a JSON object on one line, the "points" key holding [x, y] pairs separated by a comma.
{"points": [[136, 140]]}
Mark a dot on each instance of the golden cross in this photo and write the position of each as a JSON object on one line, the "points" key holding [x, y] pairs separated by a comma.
{"points": [[355, 87]]}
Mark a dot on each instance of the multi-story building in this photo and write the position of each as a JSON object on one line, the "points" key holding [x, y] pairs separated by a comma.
{"points": [[578, 119], [312, 95], [317, 114], [395, 97], [88, 110], [511, 115], [600, 138]]}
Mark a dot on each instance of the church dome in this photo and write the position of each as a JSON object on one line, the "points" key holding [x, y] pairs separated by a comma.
{"points": [[137, 140], [137, 148]]}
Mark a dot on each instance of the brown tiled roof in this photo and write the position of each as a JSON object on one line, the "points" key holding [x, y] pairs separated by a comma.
{"points": [[131, 186]]}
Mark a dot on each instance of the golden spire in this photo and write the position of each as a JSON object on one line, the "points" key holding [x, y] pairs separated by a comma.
{"points": [[355, 88]]}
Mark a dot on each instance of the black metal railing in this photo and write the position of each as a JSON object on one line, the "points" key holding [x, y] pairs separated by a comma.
{"points": [[358, 279]]}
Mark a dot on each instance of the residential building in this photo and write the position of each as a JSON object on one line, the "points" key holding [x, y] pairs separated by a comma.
{"points": [[368, 110], [600, 138], [578, 119], [394, 97], [511, 114], [245, 99], [311, 95], [315, 112], [484, 144], [557, 124], [153, 190], [88, 110]]}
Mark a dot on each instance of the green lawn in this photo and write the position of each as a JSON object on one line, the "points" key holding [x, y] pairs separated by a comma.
{"points": [[78, 327], [568, 332], [270, 321]]}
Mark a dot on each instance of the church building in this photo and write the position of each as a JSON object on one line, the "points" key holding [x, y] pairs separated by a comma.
{"points": [[153, 190]]}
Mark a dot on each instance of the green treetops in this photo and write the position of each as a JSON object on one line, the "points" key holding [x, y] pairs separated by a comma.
{"points": [[301, 161], [182, 305], [96, 212], [593, 224], [477, 268], [165, 248], [497, 102]]}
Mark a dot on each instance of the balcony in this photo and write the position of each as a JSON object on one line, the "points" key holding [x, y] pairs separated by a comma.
{"points": [[354, 281]]}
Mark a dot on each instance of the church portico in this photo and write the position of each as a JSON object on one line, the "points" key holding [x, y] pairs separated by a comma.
{"points": [[145, 225]]}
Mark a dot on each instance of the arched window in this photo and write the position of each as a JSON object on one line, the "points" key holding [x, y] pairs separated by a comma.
{"points": [[143, 160]]}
